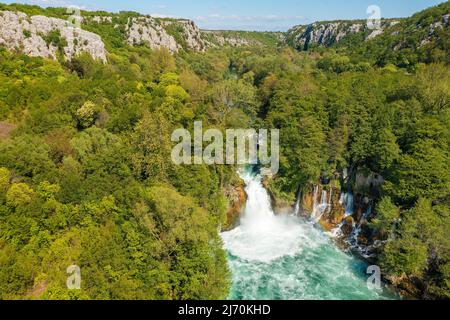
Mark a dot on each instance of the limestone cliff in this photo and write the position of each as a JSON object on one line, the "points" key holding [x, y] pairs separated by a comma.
{"points": [[170, 33], [38, 36], [330, 33], [189, 32], [222, 38], [145, 30], [42, 36], [397, 33]]}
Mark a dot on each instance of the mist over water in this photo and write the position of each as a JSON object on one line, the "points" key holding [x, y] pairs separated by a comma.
{"points": [[286, 257]]}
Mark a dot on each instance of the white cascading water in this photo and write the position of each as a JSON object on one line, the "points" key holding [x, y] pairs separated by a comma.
{"points": [[354, 237], [297, 204], [349, 206], [286, 257], [262, 236], [320, 207], [346, 200], [342, 198]]}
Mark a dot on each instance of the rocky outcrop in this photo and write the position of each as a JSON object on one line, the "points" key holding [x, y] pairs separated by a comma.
{"points": [[145, 30], [41, 36], [223, 39], [191, 34], [434, 27], [335, 212], [31, 35], [346, 213], [232, 41], [330, 33], [157, 33], [323, 34], [218, 38], [236, 197]]}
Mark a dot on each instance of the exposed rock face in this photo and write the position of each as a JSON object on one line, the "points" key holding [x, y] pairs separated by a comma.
{"points": [[233, 42], [330, 33], [154, 33], [220, 39], [375, 33], [442, 23], [345, 214], [336, 212], [326, 34], [348, 226], [236, 198], [145, 30], [191, 33], [27, 35]]}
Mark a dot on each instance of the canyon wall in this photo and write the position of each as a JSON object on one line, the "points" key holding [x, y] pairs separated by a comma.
{"points": [[344, 207], [329, 33]]}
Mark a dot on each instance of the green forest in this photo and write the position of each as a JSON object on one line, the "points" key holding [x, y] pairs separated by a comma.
{"points": [[86, 176]]}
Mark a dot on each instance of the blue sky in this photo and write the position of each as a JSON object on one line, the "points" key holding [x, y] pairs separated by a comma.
{"points": [[250, 14]]}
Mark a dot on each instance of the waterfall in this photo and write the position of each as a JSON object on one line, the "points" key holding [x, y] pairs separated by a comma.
{"points": [[337, 232], [346, 199], [342, 198], [285, 257], [357, 231], [297, 203], [320, 208], [258, 208], [349, 205], [316, 201], [262, 236]]}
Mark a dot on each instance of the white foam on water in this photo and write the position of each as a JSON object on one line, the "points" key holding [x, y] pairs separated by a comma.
{"points": [[262, 236]]}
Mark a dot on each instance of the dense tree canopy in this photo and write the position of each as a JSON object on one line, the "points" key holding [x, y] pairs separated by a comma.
{"points": [[86, 177]]}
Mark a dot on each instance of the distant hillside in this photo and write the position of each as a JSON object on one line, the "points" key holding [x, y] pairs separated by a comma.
{"points": [[330, 33], [49, 33], [424, 37], [243, 38], [35, 31]]}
